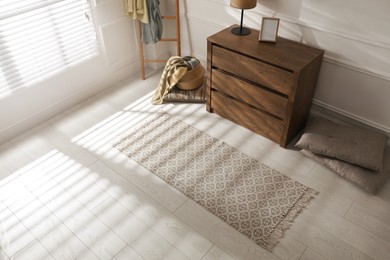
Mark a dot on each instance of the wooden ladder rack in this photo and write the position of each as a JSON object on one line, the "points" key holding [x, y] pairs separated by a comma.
{"points": [[177, 39]]}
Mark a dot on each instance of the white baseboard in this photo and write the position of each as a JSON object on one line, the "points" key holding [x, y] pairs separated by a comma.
{"points": [[67, 102], [320, 109]]}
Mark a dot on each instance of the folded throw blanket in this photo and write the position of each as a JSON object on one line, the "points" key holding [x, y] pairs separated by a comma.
{"points": [[175, 68]]}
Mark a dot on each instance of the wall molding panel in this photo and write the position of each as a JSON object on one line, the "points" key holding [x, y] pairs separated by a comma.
{"points": [[98, 3], [218, 26], [360, 69], [118, 43], [317, 27], [333, 113], [313, 26], [354, 79], [385, 74]]}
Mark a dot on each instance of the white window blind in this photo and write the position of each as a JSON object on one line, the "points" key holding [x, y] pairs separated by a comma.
{"points": [[42, 37]]}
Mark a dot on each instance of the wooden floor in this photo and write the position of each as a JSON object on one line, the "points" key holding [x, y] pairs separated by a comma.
{"points": [[65, 193]]}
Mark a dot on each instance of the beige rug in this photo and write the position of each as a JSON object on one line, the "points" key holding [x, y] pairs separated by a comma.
{"points": [[253, 198]]}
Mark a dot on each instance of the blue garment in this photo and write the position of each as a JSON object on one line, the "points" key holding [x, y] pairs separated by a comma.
{"points": [[152, 32]]}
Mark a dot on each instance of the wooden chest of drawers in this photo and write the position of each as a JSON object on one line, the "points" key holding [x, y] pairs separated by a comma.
{"points": [[265, 87]]}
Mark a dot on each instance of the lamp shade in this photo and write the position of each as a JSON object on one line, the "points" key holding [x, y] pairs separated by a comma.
{"points": [[243, 4]]}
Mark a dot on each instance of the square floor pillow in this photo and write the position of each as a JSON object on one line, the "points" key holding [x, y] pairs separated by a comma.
{"points": [[362, 177], [197, 95], [354, 145]]}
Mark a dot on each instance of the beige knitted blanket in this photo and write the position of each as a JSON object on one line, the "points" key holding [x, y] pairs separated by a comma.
{"points": [[174, 70]]}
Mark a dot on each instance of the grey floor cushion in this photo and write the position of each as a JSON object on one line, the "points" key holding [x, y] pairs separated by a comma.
{"points": [[358, 175], [350, 144]]}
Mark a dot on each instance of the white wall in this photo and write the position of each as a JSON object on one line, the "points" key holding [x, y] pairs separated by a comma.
{"points": [[354, 79], [355, 76], [118, 60]]}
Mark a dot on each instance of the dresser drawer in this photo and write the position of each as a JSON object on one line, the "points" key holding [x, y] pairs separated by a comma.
{"points": [[249, 93], [254, 70], [246, 116]]}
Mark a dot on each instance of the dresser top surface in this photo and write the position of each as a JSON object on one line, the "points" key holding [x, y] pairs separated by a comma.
{"points": [[284, 53]]}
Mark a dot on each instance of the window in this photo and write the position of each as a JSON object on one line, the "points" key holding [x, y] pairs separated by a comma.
{"points": [[42, 37]]}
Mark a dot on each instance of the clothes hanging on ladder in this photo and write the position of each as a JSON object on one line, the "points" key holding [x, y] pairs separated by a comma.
{"points": [[137, 9], [152, 31]]}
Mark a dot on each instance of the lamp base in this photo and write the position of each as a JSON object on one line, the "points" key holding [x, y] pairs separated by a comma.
{"points": [[240, 31]]}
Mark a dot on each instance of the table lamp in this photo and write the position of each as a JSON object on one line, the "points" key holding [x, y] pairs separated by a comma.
{"points": [[242, 4]]}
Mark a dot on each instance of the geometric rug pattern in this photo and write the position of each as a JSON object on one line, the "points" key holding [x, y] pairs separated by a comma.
{"points": [[250, 196]]}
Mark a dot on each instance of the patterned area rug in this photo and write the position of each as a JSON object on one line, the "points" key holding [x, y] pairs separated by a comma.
{"points": [[253, 198]]}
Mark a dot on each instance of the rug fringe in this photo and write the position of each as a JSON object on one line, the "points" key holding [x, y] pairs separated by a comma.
{"points": [[288, 219], [267, 234]]}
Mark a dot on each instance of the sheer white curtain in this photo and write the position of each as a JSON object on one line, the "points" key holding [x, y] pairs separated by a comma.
{"points": [[41, 37]]}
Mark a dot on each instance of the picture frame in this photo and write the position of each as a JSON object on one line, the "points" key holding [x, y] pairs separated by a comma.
{"points": [[269, 29]]}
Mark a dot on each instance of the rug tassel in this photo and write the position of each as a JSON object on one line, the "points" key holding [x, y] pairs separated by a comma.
{"points": [[285, 224]]}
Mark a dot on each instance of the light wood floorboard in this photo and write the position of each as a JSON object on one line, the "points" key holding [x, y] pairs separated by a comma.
{"points": [[66, 193]]}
